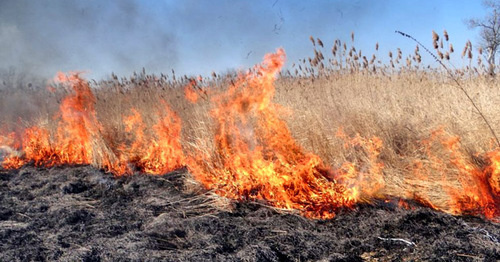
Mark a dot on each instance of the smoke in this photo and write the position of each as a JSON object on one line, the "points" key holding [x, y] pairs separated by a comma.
{"points": [[43, 37], [192, 37]]}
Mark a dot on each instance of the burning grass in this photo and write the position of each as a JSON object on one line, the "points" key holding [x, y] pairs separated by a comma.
{"points": [[75, 138], [339, 132]]}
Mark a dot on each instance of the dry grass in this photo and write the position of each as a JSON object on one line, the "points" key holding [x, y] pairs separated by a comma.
{"points": [[400, 103], [399, 109], [402, 110]]}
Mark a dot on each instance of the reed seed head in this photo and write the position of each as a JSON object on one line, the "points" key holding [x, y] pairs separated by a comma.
{"points": [[320, 43], [435, 36], [441, 56], [435, 39], [312, 40]]}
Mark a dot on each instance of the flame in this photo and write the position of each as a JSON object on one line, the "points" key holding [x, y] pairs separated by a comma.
{"points": [[468, 188], [7, 146], [190, 92], [366, 177], [157, 153], [256, 156], [493, 172], [77, 139]]}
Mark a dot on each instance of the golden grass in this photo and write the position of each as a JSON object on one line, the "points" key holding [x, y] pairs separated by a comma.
{"points": [[402, 110], [400, 104]]}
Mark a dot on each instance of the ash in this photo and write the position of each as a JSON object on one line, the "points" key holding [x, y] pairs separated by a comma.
{"points": [[82, 214]]}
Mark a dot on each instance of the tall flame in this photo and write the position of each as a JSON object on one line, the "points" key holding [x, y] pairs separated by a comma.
{"points": [[254, 154], [257, 158], [158, 153], [77, 139], [77, 135]]}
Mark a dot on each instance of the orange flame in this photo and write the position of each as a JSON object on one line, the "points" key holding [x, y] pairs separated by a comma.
{"points": [[78, 140], [77, 130], [158, 153], [190, 92], [364, 178], [257, 158], [493, 171], [469, 188]]}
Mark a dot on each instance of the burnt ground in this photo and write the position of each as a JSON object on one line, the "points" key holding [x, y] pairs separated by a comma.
{"points": [[83, 214]]}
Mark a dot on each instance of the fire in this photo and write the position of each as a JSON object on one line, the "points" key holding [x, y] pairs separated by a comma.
{"points": [[256, 157], [190, 92], [156, 153], [76, 139], [468, 189], [7, 145], [366, 177]]}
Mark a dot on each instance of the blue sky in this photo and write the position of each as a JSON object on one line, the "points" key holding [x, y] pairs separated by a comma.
{"points": [[198, 37]]}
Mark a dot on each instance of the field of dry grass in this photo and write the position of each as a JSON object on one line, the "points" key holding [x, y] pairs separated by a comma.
{"points": [[403, 110], [411, 108]]}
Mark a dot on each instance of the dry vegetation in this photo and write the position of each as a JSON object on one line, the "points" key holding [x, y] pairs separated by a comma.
{"points": [[402, 102]]}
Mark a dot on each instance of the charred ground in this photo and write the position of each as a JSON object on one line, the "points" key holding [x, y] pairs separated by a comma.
{"points": [[81, 213]]}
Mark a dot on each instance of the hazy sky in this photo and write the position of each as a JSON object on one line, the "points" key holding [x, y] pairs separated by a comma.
{"points": [[197, 37]]}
